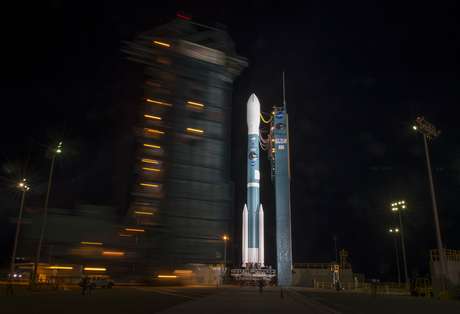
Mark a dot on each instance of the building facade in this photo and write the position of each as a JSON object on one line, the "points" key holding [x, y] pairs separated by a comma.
{"points": [[180, 193]]}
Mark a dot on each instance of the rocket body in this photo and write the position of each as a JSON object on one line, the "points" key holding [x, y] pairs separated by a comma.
{"points": [[253, 224]]}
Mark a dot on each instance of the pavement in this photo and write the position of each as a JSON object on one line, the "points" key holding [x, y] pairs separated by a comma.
{"points": [[246, 300], [118, 300], [223, 300], [359, 303], [310, 301]]}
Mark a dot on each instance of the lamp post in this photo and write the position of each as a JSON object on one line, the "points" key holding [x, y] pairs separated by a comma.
{"points": [[225, 238], [55, 152], [399, 207], [23, 187], [335, 248], [395, 231], [430, 132]]}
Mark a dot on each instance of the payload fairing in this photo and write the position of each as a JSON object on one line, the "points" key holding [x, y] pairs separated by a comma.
{"points": [[253, 213]]}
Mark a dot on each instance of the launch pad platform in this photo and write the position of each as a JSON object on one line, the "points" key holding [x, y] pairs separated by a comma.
{"points": [[250, 276]]}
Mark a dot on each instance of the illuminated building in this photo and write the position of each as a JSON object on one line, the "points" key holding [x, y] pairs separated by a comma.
{"points": [[180, 192]]}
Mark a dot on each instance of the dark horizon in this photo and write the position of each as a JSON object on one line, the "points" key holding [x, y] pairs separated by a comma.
{"points": [[356, 79]]}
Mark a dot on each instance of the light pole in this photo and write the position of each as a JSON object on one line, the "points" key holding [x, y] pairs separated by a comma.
{"points": [[395, 231], [225, 238], [23, 187], [335, 248], [399, 207], [55, 151], [430, 132]]}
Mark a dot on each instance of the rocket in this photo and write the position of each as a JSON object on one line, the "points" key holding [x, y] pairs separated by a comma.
{"points": [[253, 213]]}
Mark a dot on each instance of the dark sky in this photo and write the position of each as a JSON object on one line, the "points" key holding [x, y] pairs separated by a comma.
{"points": [[357, 76]]}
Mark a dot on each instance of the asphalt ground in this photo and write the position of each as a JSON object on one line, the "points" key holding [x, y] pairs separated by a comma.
{"points": [[132, 300], [354, 303], [203, 300]]}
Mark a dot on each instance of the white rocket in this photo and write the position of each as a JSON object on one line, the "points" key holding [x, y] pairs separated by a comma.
{"points": [[253, 213]]}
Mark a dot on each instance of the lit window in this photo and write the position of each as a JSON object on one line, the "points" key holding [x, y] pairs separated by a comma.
{"points": [[167, 276], [143, 213], [152, 146], [134, 230], [153, 101], [151, 169], [94, 268], [148, 116], [150, 161], [113, 253], [153, 131], [195, 104], [195, 131], [160, 43], [149, 185], [61, 267]]}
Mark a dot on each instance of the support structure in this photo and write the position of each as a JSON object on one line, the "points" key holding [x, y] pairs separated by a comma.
{"points": [[281, 177]]}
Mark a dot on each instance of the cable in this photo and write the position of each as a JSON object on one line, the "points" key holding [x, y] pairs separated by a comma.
{"points": [[266, 121]]}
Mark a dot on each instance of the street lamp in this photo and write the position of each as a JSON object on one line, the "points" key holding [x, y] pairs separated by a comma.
{"points": [[23, 187], [398, 207], [395, 231], [430, 132], [55, 152], [225, 238]]}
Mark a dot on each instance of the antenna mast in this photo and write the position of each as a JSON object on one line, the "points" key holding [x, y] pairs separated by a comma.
{"points": [[284, 94]]}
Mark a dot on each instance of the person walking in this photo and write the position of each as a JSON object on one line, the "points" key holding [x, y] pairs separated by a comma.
{"points": [[84, 285]]}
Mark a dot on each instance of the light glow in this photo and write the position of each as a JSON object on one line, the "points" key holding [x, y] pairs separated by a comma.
{"points": [[125, 235], [152, 146], [196, 104], [151, 169], [95, 269], [192, 130], [113, 253], [225, 237], [61, 267], [160, 43], [134, 230], [59, 148], [167, 276], [150, 161], [148, 116], [91, 243], [154, 131], [183, 272], [143, 213], [149, 185], [153, 101], [23, 185]]}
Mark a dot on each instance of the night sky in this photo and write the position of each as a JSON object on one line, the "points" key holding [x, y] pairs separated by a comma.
{"points": [[357, 76]]}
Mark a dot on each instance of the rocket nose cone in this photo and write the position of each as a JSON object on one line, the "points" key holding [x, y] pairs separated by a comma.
{"points": [[253, 98], [253, 114]]}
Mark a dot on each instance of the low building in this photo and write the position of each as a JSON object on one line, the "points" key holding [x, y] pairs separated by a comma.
{"points": [[453, 268]]}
